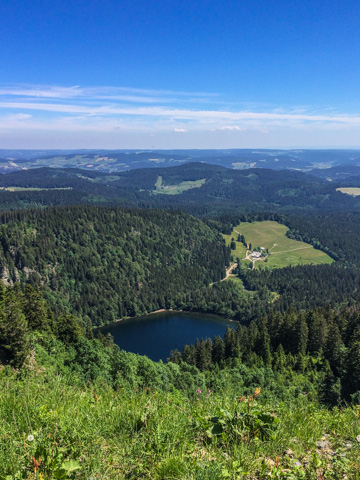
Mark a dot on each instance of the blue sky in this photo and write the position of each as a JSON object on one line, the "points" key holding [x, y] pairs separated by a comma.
{"points": [[179, 74]]}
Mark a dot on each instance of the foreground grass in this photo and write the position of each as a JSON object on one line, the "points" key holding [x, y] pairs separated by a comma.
{"points": [[50, 429]]}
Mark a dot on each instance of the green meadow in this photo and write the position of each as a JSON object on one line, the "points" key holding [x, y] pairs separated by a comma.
{"points": [[52, 429], [354, 191], [32, 189], [283, 251], [160, 187]]}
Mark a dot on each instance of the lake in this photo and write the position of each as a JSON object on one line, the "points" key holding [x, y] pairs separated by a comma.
{"points": [[155, 335]]}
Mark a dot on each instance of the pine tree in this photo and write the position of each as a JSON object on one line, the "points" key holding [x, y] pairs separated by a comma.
{"points": [[189, 354], [14, 338], [218, 350], [175, 356], [231, 345], [36, 310], [280, 359], [203, 354]]}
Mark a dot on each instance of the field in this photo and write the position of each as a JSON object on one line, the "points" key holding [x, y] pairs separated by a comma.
{"points": [[176, 189], [283, 251], [354, 191], [31, 189]]}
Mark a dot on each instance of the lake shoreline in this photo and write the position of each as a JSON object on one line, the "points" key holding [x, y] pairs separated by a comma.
{"points": [[118, 320], [161, 310], [155, 335]]}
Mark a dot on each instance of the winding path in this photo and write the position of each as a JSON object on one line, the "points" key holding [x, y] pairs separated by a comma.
{"points": [[227, 274], [228, 271]]}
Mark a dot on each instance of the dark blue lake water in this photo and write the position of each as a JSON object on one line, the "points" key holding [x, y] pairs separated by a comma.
{"points": [[157, 334]]}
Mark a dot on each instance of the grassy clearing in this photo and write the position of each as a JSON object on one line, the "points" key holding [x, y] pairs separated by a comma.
{"points": [[161, 188], [283, 250], [51, 429], [240, 250], [236, 280], [108, 178], [31, 189], [354, 191]]}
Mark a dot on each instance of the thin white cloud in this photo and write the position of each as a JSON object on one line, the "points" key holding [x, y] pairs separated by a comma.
{"points": [[41, 92], [182, 114], [122, 94], [232, 128], [114, 101], [19, 116], [127, 111]]}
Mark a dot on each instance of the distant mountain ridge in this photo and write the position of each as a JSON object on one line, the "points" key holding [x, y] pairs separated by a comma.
{"points": [[123, 159]]}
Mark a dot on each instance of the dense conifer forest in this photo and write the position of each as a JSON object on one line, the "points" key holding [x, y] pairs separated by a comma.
{"points": [[215, 190], [109, 263]]}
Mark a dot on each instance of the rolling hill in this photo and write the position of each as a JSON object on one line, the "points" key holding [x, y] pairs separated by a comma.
{"points": [[197, 188]]}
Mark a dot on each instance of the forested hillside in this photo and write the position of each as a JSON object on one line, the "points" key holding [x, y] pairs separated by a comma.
{"points": [[198, 188], [107, 263], [308, 286], [77, 407], [310, 341]]}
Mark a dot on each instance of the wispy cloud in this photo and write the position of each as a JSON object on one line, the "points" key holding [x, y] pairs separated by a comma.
{"points": [[231, 128], [181, 114], [121, 94], [156, 112], [19, 116]]}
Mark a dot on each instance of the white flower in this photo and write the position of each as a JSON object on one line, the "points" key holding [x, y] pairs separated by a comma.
{"points": [[30, 438]]}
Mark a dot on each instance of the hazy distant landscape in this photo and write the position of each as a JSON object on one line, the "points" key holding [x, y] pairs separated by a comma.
{"points": [[121, 160], [195, 187]]}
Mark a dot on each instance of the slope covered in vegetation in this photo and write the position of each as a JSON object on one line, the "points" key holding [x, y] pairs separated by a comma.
{"points": [[108, 263], [78, 407], [218, 190]]}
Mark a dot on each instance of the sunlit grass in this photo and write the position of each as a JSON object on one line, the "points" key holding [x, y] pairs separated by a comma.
{"points": [[355, 191], [283, 251], [161, 188], [149, 434]]}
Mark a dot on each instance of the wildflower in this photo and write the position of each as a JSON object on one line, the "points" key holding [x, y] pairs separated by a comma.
{"points": [[36, 463], [30, 438], [198, 390]]}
